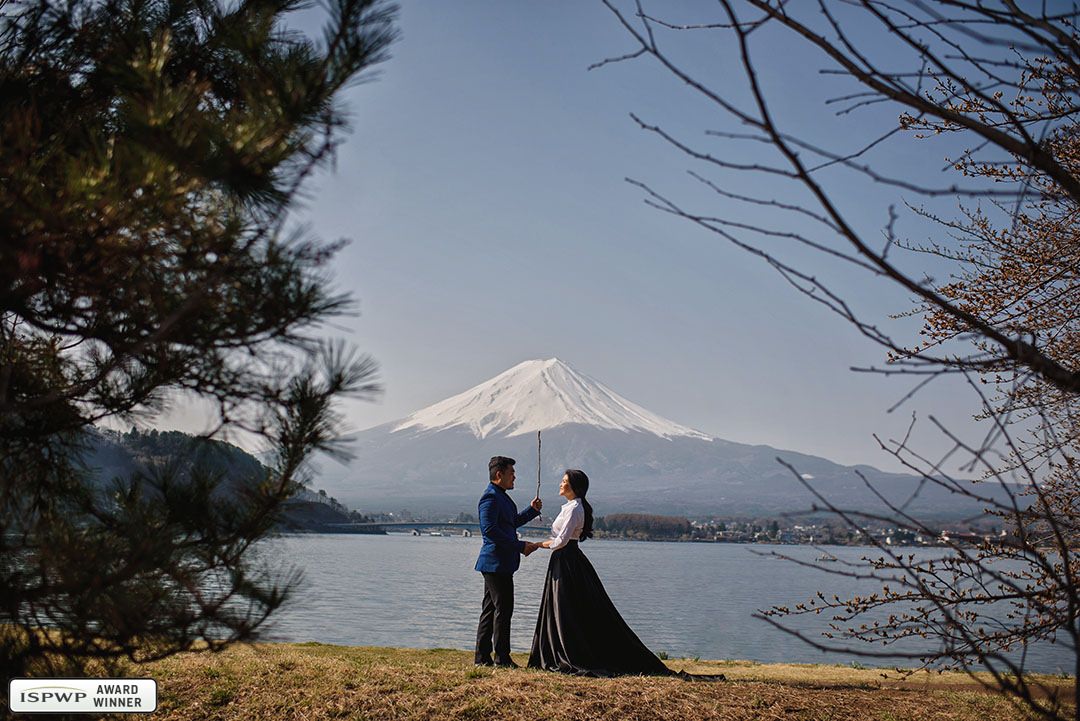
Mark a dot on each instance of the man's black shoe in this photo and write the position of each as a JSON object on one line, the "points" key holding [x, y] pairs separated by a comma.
{"points": [[484, 662], [507, 663]]}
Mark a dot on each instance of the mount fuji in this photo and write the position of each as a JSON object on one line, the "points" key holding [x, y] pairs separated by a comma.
{"points": [[435, 460], [541, 395]]}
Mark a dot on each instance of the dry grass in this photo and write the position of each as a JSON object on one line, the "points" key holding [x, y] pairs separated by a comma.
{"points": [[314, 682]]}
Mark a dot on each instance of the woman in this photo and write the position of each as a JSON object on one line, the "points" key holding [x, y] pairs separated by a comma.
{"points": [[579, 631]]}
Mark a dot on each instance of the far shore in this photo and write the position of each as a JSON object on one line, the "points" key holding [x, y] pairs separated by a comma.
{"points": [[544, 532], [311, 682]]}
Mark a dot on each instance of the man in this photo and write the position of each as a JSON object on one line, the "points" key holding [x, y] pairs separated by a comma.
{"points": [[499, 558]]}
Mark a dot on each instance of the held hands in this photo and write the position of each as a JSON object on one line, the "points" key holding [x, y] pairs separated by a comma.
{"points": [[537, 503]]}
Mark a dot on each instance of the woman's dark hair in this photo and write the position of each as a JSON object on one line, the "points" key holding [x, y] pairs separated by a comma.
{"points": [[579, 483]]}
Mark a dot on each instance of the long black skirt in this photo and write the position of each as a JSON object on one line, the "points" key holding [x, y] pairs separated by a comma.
{"points": [[579, 631]]}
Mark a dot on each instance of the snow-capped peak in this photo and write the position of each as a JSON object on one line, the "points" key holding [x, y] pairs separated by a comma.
{"points": [[537, 395]]}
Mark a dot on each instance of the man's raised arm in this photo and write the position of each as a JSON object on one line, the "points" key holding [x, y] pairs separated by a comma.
{"points": [[529, 513]]}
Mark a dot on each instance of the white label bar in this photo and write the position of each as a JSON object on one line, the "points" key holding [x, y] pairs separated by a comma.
{"points": [[82, 695]]}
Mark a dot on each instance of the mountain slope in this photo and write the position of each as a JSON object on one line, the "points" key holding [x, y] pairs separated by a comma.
{"points": [[436, 459]]}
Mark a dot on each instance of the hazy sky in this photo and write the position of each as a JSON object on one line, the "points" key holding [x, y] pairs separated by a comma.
{"points": [[483, 187]]}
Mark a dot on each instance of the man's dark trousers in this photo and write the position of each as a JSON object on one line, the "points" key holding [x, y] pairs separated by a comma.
{"points": [[495, 613]]}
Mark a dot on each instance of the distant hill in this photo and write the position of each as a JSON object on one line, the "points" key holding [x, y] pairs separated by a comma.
{"points": [[111, 455]]}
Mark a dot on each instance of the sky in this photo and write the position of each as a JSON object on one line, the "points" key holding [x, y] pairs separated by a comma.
{"points": [[483, 188]]}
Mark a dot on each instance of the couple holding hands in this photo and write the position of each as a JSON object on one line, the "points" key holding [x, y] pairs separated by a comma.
{"points": [[579, 630]]}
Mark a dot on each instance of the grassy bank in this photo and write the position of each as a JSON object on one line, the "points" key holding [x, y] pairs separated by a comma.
{"points": [[311, 682]]}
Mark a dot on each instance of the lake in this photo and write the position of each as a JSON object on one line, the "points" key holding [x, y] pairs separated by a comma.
{"points": [[685, 599]]}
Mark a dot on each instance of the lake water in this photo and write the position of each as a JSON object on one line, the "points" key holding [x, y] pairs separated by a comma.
{"points": [[686, 599]]}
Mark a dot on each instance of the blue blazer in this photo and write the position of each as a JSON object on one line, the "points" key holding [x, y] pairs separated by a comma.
{"points": [[499, 519]]}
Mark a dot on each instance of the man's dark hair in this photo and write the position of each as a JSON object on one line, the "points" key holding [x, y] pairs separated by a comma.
{"points": [[498, 463]]}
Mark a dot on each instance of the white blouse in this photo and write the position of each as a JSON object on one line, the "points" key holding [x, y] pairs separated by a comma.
{"points": [[568, 524]]}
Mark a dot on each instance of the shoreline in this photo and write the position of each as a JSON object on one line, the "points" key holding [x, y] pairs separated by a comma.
{"points": [[531, 532]]}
